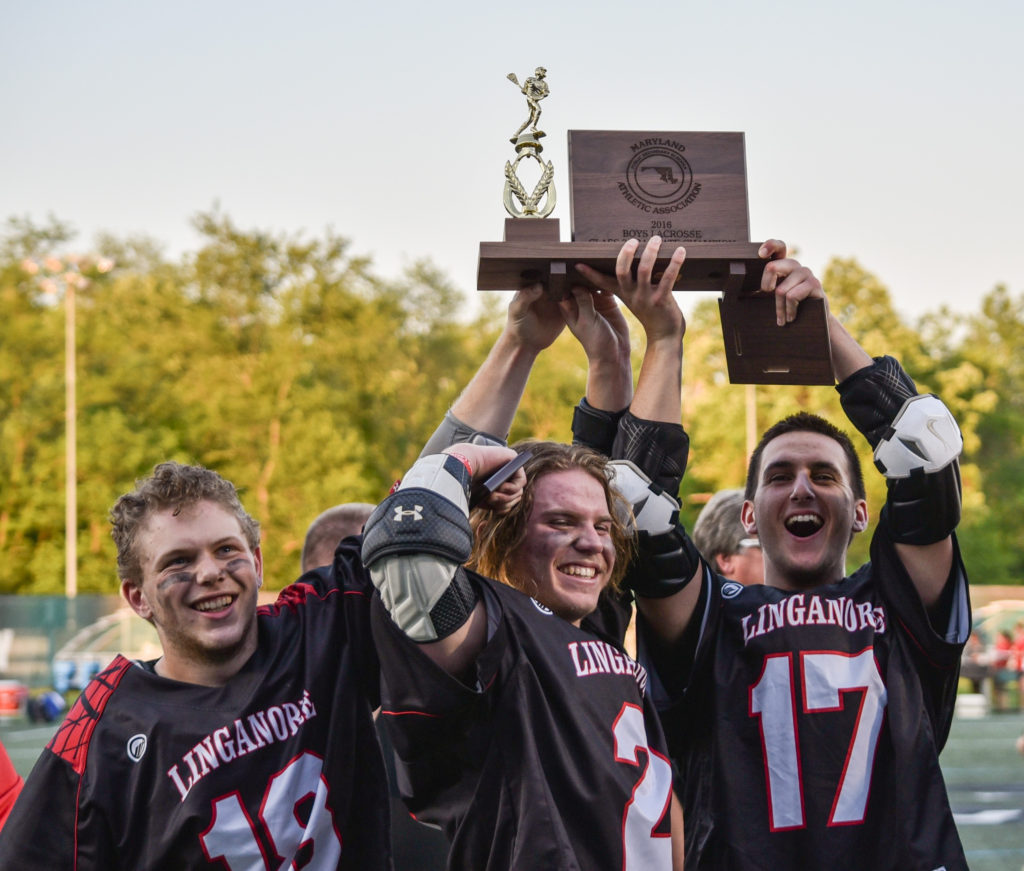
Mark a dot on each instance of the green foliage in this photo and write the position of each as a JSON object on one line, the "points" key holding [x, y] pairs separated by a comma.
{"points": [[290, 367], [283, 363]]}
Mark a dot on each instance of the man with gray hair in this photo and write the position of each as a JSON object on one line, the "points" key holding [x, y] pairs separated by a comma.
{"points": [[720, 537]]}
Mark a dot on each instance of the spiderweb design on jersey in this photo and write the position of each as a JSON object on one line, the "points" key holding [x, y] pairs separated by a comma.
{"points": [[292, 596], [71, 742], [295, 595]]}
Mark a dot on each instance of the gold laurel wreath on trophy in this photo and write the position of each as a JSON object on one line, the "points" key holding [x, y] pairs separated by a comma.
{"points": [[529, 201]]}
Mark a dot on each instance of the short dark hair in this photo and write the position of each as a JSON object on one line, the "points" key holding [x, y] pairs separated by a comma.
{"points": [[805, 422], [176, 486], [497, 537], [329, 528]]}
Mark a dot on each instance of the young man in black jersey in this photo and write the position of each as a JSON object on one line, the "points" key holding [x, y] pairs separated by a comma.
{"points": [[250, 741], [806, 714], [519, 723]]}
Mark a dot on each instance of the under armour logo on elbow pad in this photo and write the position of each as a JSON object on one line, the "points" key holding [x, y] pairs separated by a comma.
{"points": [[413, 512]]}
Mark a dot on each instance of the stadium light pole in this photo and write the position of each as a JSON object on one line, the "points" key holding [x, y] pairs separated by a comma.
{"points": [[70, 442], [68, 276]]}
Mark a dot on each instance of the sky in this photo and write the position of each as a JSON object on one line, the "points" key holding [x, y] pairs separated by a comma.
{"points": [[883, 130]]}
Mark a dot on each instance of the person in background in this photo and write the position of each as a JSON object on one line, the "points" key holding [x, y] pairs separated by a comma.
{"points": [[974, 666], [1003, 672], [720, 537], [329, 528]]}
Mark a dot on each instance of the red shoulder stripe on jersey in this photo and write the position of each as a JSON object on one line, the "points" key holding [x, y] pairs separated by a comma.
{"points": [[71, 741]]}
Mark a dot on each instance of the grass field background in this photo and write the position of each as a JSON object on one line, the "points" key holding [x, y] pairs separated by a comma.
{"points": [[985, 777], [984, 774]]}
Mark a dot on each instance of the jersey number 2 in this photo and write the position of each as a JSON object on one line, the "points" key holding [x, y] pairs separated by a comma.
{"points": [[826, 676], [642, 849], [232, 837]]}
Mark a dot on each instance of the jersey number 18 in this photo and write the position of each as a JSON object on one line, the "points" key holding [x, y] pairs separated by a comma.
{"points": [[231, 836]]}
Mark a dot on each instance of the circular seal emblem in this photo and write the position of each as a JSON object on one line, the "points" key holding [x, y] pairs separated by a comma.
{"points": [[730, 589], [544, 609], [136, 747], [659, 175]]}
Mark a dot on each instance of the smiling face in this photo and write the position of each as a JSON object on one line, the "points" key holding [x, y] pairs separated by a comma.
{"points": [[568, 554], [198, 587], [804, 510]]}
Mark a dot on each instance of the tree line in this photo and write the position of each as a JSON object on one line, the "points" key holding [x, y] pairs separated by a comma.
{"points": [[289, 366]]}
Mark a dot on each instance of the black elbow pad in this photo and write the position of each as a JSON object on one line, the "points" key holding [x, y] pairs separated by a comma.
{"points": [[923, 508], [594, 428], [413, 521], [873, 396], [664, 563]]}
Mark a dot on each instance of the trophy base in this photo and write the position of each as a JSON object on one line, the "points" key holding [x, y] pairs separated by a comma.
{"points": [[757, 350], [505, 265]]}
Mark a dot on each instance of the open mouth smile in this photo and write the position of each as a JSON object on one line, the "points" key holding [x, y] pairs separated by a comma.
{"points": [[803, 525], [585, 572], [217, 604]]}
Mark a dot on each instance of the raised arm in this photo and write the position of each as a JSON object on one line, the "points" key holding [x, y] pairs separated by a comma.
{"points": [[915, 439], [650, 439], [594, 318], [488, 403]]}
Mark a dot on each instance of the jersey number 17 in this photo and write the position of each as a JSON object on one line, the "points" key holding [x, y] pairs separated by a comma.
{"points": [[827, 676]]}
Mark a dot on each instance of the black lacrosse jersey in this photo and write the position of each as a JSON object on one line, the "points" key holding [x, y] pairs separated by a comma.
{"points": [[808, 735], [554, 761], [280, 768]]}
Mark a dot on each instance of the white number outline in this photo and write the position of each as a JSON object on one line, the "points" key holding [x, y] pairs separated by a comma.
{"points": [[643, 849], [300, 780], [826, 677]]}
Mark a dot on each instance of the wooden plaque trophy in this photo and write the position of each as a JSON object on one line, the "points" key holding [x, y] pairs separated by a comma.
{"points": [[688, 188]]}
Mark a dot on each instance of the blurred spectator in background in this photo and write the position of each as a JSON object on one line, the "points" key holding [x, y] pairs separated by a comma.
{"points": [[724, 543], [1017, 660], [10, 785], [331, 527], [974, 666], [1003, 672]]}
